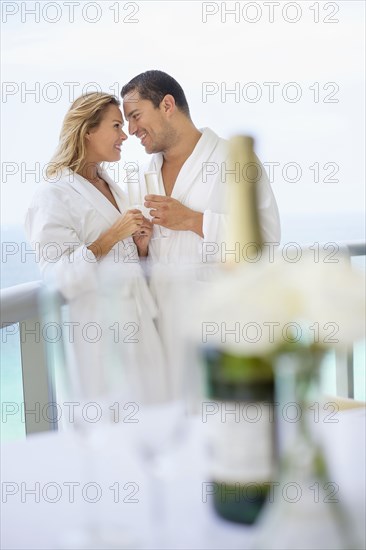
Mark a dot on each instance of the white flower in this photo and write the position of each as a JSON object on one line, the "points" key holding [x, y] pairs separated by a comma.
{"points": [[268, 304]]}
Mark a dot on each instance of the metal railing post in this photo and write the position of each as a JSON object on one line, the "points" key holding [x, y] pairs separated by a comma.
{"points": [[38, 393]]}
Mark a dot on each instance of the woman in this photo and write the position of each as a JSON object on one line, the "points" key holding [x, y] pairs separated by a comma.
{"points": [[80, 216], [89, 243]]}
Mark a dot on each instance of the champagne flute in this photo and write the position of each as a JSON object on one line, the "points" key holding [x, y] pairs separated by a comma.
{"points": [[158, 435], [163, 393], [134, 191], [152, 186], [133, 188], [87, 378]]}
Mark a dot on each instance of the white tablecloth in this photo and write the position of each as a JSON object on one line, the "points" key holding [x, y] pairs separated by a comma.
{"points": [[31, 521]]}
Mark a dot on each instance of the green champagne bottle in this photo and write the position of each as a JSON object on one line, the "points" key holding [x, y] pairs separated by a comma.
{"points": [[241, 433]]}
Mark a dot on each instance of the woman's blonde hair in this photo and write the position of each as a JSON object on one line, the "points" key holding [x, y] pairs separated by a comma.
{"points": [[84, 114]]}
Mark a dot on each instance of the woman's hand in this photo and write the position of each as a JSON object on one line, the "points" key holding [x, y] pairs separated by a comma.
{"points": [[125, 226], [143, 236]]}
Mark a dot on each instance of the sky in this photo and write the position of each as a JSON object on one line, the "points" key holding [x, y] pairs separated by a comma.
{"points": [[291, 74]]}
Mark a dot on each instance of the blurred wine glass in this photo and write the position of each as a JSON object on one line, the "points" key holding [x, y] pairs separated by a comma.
{"points": [[163, 392], [157, 437], [86, 377]]}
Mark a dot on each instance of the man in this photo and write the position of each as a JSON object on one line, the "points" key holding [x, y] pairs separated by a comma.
{"points": [[190, 209], [191, 166]]}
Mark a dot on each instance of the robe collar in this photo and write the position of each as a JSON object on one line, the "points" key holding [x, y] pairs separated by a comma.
{"points": [[192, 167], [95, 197]]}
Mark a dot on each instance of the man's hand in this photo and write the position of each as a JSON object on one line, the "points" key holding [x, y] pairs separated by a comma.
{"points": [[173, 214]]}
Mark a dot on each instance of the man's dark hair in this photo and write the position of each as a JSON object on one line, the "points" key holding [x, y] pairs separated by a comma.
{"points": [[154, 85]]}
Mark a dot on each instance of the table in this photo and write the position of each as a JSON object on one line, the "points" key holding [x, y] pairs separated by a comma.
{"points": [[50, 465]]}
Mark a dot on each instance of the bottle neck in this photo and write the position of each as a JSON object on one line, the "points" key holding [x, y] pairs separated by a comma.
{"points": [[244, 229]]}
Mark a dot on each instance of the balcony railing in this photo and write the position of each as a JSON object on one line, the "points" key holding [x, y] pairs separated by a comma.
{"points": [[20, 304]]}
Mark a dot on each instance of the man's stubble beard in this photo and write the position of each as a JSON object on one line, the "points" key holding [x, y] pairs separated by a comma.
{"points": [[168, 138]]}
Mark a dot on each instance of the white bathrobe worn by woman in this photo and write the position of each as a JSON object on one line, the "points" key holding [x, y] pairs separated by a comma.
{"points": [[108, 297]]}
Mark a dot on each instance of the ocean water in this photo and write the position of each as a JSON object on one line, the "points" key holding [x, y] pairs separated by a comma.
{"points": [[18, 265]]}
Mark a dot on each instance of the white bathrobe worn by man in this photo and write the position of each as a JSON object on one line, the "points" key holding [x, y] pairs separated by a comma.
{"points": [[200, 186], [181, 261], [64, 218]]}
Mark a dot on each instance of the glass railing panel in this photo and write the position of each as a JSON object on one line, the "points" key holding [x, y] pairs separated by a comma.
{"points": [[328, 374], [11, 386], [359, 370], [359, 350]]}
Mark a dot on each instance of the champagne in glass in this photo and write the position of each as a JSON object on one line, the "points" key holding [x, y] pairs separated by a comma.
{"points": [[133, 187], [134, 190], [152, 186]]}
